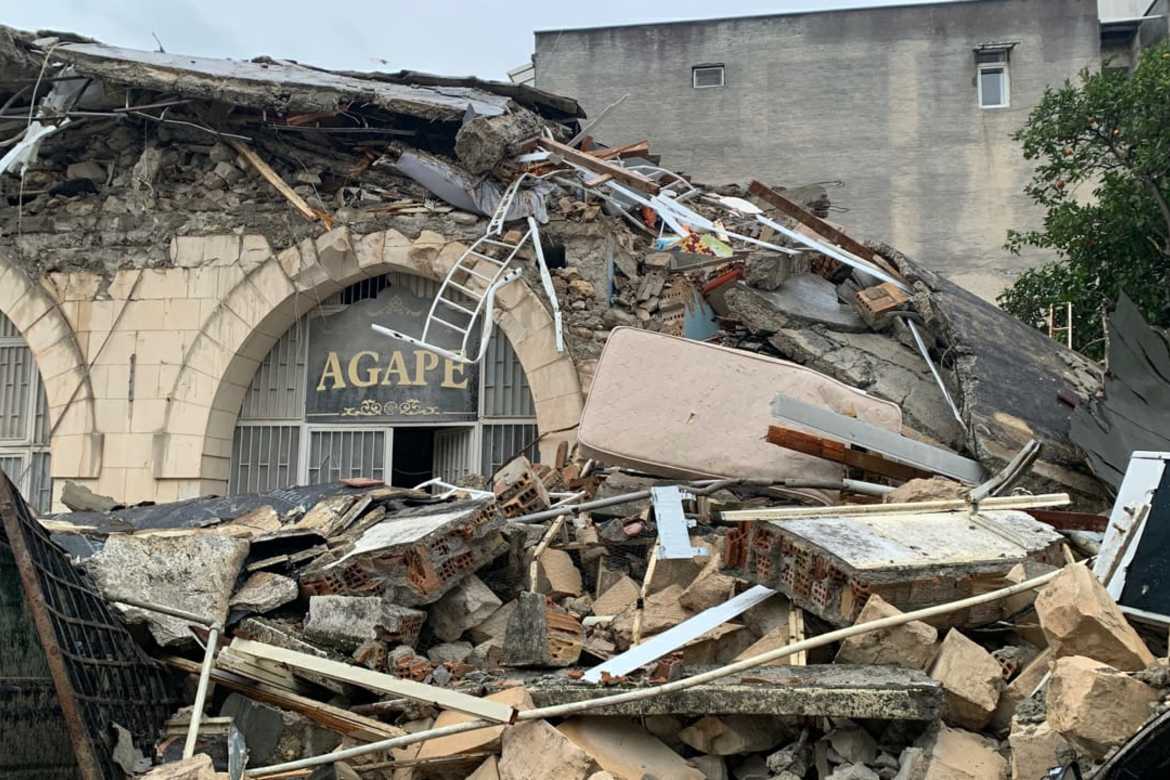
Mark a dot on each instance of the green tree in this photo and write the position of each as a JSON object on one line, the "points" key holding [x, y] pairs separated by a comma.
{"points": [[1110, 133]]}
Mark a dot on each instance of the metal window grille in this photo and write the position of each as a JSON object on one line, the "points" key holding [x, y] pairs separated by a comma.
{"points": [[343, 454], [503, 442], [452, 456], [99, 673], [265, 457], [505, 387], [24, 419]]}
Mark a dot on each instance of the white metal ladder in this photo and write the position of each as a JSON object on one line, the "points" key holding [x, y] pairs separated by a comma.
{"points": [[467, 292]]}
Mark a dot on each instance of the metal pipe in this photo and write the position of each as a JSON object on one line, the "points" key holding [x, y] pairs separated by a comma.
{"points": [[572, 708], [181, 614], [706, 487], [201, 692]]}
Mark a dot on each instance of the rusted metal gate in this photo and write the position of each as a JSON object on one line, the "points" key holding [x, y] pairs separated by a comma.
{"points": [[100, 674]]}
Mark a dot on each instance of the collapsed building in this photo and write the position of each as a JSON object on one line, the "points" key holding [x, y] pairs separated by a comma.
{"points": [[426, 421]]}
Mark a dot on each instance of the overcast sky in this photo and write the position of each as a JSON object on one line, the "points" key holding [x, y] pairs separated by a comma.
{"points": [[482, 38]]}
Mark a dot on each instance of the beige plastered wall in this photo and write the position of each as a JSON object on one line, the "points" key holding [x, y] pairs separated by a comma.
{"points": [[145, 374]]}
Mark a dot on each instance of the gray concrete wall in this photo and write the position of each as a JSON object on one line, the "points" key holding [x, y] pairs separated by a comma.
{"points": [[882, 99]]}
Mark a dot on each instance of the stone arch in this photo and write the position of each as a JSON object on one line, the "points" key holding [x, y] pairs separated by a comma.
{"points": [[75, 447], [218, 367]]}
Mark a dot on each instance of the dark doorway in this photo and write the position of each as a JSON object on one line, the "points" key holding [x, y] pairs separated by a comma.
{"points": [[413, 456]]}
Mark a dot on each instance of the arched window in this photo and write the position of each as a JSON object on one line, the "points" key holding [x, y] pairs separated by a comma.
{"points": [[24, 420], [458, 420]]}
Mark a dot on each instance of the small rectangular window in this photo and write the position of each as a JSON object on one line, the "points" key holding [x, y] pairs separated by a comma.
{"points": [[704, 76], [992, 78]]}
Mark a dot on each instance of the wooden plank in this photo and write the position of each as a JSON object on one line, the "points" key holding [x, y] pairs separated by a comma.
{"points": [[597, 181], [325, 715], [633, 150], [796, 634], [812, 221], [829, 449], [588, 161], [1071, 521], [376, 681], [1023, 503], [273, 178]]}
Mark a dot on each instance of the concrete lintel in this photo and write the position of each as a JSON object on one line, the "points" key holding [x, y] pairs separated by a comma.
{"points": [[831, 690]]}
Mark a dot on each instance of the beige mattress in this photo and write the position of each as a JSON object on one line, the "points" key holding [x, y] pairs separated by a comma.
{"points": [[686, 409]]}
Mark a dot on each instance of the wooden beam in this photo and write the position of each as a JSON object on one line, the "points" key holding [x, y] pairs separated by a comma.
{"points": [[377, 681], [828, 449], [639, 148], [273, 178], [588, 161], [995, 503], [325, 715], [805, 217]]}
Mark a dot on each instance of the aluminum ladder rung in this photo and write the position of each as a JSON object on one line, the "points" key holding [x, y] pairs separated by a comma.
{"points": [[457, 328], [489, 258], [454, 305], [494, 242], [473, 272], [468, 292]]}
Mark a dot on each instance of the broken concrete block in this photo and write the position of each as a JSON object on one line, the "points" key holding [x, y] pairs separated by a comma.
{"points": [[348, 621], [193, 572], [1095, 706], [534, 750], [661, 611], [853, 772], [617, 597], [910, 645], [467, 604], [1020, 689], [932, 489], [730, 735], [494, 627], [853, 743], [478, 741], [718, 646], [79, 498], [488, 770], [450, 652], [87, 169], [971, 679], [1036, 748], [557, 575], [679, 571], [263, 592], [710, 587], [541, 635], [953, 754], [196, 767], [712, 767], [626, 750], [1080, 618], [773, 640]]}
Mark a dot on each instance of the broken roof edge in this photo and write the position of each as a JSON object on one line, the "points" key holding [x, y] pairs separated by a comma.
{"points": [[278, 84]]}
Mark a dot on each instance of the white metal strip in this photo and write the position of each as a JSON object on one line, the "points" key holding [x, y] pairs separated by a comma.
{"points": [[836, 253], [671, 639], [889, 443], [673, 533]]}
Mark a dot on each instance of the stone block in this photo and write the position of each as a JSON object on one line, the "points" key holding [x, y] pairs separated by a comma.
{"points": [[1020, 689], [478, 741], [335, 253], [541, 635], [710, 587], [194, 572], [617, 597], [557, 575], [662, 610], [1095, 706], [1036, 748], [466, 605], [911, 645], [626, 750], [534, 750], [932, 489], [773, 640], [449, 652], [347, 621], [197, 767], [971, 679], [1080, 618], [488, 770], [730, 735], [263, 592], [494, 627], [952, 754], [712, 767]]}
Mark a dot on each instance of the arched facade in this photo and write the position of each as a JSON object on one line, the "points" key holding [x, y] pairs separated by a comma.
{"points": [[252, 315]]}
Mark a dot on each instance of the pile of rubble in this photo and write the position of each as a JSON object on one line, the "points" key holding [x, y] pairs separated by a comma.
{"points": [[785, 544]]}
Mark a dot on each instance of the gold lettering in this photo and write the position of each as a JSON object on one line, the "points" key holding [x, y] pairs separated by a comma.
{"points": [[372, 374], [424, 362], [332, 369], [397, 366], [449, 376]]}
